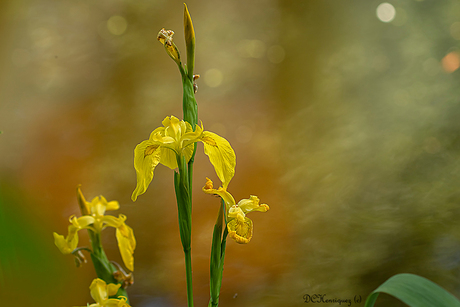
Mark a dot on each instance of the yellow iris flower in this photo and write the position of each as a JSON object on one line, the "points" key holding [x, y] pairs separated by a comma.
{"points": [[176, 139], [95, 220], [100, 292], [239, 227]]}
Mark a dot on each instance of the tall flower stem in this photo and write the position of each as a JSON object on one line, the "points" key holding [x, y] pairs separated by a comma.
{"points": [[183, 180]]}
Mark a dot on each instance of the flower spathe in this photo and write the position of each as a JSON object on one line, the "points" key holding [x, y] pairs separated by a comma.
{"points": [[239, 226], [175, 140], [100, 292], [96, 220]]}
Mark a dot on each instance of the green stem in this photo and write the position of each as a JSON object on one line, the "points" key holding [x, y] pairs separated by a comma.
{"points": [[184, 207], [188, 273], [104, 269], [218, 247]]}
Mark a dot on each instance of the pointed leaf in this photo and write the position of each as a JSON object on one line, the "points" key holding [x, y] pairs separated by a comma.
{"points": [[415, 291]]}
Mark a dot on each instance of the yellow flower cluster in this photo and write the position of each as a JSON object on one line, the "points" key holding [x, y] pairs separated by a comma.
{"points": [[94, 219], [174, 140], [239, 226]]}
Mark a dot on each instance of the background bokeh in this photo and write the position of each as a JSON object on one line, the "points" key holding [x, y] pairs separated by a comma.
{"points": [[344, 116]]}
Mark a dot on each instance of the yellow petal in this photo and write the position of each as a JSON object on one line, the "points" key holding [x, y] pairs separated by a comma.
{"points": [[168, 157], [146, 158], [240, 231], [112, 289], [98, 205], [98, 290], [116, 302], [191, 137], [252, 204], [126, 244], [112, 205], [65, 246], [82, 222], [113, 221], [221, 156], [174, 127], [226, 196]]}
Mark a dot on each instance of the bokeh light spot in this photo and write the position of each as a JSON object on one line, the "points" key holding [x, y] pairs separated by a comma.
{"points": [[451, 62], [213, 77], [117, 25], [386, 12]]}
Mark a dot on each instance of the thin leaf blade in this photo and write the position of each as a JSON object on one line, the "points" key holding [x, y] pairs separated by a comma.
{"points": [[415, 291]]}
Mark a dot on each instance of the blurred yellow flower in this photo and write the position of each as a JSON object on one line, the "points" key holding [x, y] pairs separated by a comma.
{"points": [[239, 226], [100, 292], [96, 221], [175, 139]]}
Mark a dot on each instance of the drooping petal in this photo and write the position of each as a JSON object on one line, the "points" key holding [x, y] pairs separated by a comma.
{"points": [[240, 230], [221, 156], [146, 158], [67, 245], [126, 244], [168, 157], [61, 243]]}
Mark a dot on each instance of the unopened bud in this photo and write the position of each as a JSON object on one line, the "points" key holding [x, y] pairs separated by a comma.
{"points": [[166, 38]]}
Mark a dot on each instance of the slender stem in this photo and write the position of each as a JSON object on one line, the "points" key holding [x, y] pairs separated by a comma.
{"points": [[184, 206], [104, 269], [218, 246], [188, 272]]}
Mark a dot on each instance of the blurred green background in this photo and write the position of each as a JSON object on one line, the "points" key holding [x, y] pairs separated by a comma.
{"points": [[344, 116]]}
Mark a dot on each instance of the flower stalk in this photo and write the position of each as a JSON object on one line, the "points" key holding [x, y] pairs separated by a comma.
{"points": [[184, 177], [219, 242], [184, 207]]}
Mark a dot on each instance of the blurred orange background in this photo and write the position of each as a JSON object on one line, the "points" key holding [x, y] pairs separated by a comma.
{"points": [[343, 117]]}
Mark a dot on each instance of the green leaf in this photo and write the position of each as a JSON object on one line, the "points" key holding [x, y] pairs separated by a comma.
{"points": [[415, 291]]}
